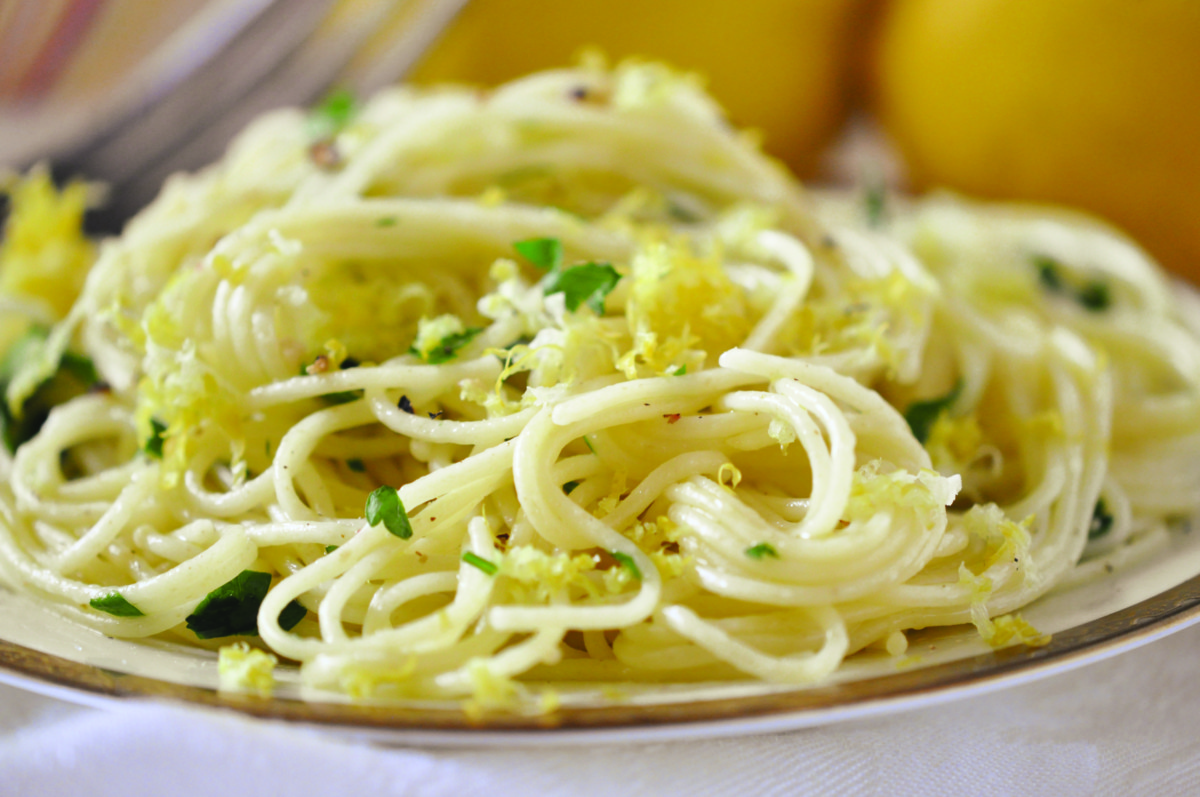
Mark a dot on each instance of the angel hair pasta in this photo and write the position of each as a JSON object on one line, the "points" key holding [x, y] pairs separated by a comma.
{"points": [[453, 392]]}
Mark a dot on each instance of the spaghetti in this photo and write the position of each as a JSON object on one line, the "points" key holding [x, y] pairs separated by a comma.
{"points": [[456, 392]]}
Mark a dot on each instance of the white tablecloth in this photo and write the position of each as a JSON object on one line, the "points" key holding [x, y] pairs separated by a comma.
{"points": [[1124, 726]]}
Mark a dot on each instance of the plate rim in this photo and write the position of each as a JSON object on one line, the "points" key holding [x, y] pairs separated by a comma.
{"points": [[1125, 629]]}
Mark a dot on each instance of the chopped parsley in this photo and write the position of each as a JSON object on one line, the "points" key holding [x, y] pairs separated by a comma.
{"points": [[1102, 521], [356, 465], [1095, 296], [1049, 273], [545, 253], [154, 443], [588, 443], [292, 614], [875, 201], [447, 348], [331, 548], [922, 415], [682, 214], [587, 283], [342, 397], [762, 551], [22, 418], [384, 506], [569, 487], [232, 608], [80, 367], [626, 561], [115, 604], [334, 112], [491, 568]]}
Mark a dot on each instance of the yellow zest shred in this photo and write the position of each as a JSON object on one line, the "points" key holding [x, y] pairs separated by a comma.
{"points": [[242, 668]]}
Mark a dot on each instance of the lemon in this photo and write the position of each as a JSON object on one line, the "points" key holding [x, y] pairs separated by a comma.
{"points": [[1093, 103], [781, 66]]}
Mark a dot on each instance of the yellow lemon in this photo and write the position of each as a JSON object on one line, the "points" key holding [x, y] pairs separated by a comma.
{"points": [[782, 66], [1093, 103]]}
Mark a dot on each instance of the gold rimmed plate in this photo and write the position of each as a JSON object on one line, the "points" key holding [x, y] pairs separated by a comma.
{"points": [[1135, 604]]}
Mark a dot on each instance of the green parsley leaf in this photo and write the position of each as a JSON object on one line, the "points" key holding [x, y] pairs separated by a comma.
{"points": [[491, 568], [291, 615], [875, 200], [1102, 521], [569, 487], [589, 282], [154, 445], [232, 608], [80, 367], [115, 604], [588, 443], [761, 551], [680, 371], [1049, 273], [545, 253], [447, 348], [342, 397], [1095, 296], [384, 506], [626, 561], [921, 415], [682, 214], [335, 111], [356, 465], [72, 376], [331, 548]]}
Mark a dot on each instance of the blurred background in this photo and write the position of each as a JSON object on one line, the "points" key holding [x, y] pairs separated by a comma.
{"points": [[1089, 103]]}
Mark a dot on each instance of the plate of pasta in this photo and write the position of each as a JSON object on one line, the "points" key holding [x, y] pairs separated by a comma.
{"points": [[563, 407]]}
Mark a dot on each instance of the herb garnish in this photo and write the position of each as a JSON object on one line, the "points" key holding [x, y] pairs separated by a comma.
{"points": [[922, 415], [154, 443], [356, 465], [331, 548], [447, 348], [585, 283], [384, 506], [334, 112], [115, 604], [232, 608], [545, 253], [1049, 273], [569, 487], [875, 200], [626, 561], [762, 550], [1102, 521], [491, 568], [1094, 295], [74, 375], [589, 283]]}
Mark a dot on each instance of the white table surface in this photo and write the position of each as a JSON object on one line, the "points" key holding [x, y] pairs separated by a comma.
{"points": [[1126, 726]]}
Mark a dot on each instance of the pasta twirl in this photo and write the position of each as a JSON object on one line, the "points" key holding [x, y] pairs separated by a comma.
{"points": [[569, 383]]}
